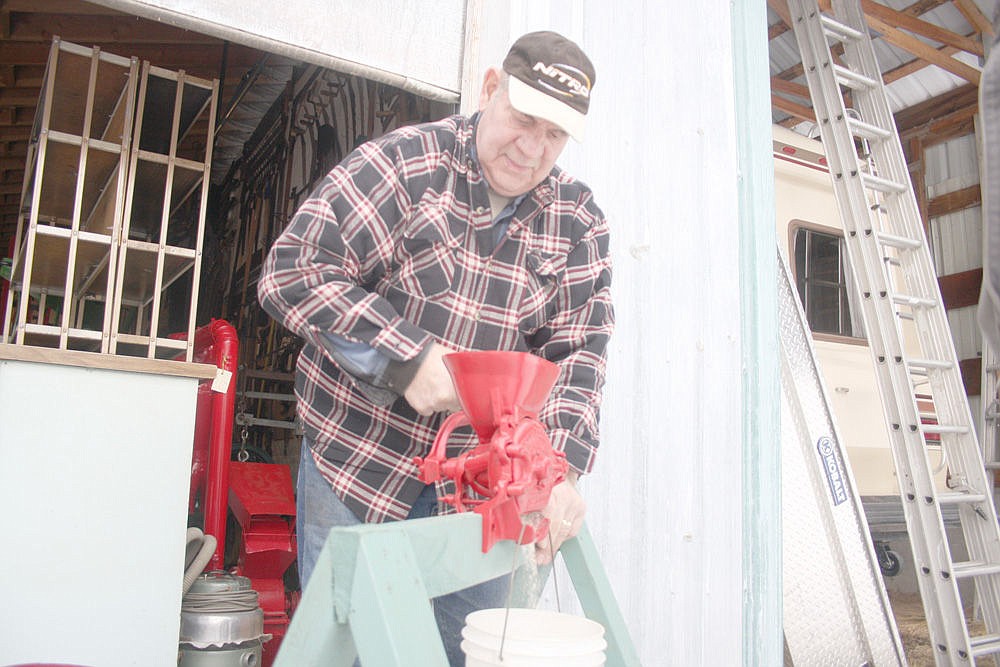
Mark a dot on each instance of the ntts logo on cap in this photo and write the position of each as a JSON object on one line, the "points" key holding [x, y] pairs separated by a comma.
{"points": [[563, 80]]}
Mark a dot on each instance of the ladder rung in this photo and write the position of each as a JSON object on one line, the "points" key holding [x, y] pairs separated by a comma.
{"points": [[867, 130], [984, 645], [992, 465], [882, 184], [958, 497], [852, 79], [907, 300], [974, 568], [898, 241], [928, 364], [835, 28], [943, 428]]}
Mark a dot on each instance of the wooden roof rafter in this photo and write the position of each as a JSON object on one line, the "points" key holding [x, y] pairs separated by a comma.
{"points": [[878, 14], [922, 50], [901, 28]]}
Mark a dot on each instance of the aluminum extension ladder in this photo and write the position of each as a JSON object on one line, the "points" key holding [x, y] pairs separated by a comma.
{"points": [[886, 245], [989, 427]]}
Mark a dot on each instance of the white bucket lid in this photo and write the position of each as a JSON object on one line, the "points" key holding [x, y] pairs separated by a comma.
{"points": [[535, 632], [478, 656]]}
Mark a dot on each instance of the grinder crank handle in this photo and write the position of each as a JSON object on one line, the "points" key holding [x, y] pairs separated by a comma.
{"points": [[430, 466]]}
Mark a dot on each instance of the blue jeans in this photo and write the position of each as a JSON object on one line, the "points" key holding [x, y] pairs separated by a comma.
{"points": [[318, 509]]}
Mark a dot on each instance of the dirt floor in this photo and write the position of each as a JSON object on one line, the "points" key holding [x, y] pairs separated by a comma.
{"points": [[909, 612]]}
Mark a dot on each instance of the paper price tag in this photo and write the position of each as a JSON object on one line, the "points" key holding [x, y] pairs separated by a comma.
{"points": [[222, 380]]}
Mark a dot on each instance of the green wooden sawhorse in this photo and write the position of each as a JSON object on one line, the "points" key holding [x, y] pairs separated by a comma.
{"points": [[370, 592]]}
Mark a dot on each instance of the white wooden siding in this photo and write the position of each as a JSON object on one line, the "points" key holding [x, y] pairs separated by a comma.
{"points": [[665, 500]]}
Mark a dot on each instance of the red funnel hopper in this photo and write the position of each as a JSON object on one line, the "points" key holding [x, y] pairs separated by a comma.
{"points": [[513, 470], [492, 384]]}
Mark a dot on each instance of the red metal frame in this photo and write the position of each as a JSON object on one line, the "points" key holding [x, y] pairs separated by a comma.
{"points": [[5, 285], [260, 494], [215, 343]]}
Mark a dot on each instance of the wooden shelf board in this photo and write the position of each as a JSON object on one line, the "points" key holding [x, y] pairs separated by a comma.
{"points": [[105, 361]]}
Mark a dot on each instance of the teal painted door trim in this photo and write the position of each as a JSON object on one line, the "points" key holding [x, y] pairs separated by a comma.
{"points": [[762, 623]]}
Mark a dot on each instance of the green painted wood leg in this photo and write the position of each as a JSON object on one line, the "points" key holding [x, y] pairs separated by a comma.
{"points": [[391, 616], [598, 601], [372, 585], [315, 638]]}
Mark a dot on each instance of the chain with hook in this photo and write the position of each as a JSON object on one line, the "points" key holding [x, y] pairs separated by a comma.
{"points": [[243, 455]]}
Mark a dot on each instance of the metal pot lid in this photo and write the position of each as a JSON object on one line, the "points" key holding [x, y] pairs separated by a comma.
{"points": [[219, 581]]}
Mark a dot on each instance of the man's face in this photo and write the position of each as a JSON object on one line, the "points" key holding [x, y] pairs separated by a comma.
{"points": [[516, 151]]}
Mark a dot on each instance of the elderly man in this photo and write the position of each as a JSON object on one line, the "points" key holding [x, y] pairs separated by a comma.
{"points": [[461, 234]]}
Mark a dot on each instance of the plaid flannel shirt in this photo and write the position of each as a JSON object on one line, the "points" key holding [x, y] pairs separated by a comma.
{"points": [[395, 249]]}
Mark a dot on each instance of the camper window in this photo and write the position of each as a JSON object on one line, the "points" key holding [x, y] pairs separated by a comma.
{"points": [[823, 284]]}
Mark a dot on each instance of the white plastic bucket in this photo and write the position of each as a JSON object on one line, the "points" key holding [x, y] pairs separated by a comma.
{"points": [[535, 638]]}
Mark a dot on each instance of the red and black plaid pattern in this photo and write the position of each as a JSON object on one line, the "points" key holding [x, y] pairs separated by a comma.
{"points": [[395, 248]]}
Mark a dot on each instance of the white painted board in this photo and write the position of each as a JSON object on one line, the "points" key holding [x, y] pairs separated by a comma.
{"points": [[94, 485]]}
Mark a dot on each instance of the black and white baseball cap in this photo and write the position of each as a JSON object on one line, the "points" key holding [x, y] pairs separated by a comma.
{"points": [[550, 78]]}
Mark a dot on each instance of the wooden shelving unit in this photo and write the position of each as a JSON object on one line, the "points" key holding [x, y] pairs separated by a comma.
{"points": [[109, 240]]}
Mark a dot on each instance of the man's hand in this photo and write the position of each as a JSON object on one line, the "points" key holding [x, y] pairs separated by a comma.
{"points": [[565, 513], [431, 389]]}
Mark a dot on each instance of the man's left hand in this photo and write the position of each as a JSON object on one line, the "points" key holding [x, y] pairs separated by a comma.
{"points": [[565, 513]]}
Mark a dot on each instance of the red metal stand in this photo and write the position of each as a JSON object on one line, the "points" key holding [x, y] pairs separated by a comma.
{"points": [[262, 500]]}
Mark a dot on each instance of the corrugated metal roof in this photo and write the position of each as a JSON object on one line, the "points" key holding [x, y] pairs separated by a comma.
{"points": [[924, 84], [241, 116]]}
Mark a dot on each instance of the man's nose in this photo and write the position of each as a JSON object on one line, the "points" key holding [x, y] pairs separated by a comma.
{"points": [[532, 143]]}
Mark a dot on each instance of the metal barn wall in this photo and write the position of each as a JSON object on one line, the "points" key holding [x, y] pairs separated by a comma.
{"points": [[956, 238], [666, 499], [412, 48]]}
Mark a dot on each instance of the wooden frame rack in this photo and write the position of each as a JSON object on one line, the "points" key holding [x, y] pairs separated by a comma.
{"points": [[109, 240]]}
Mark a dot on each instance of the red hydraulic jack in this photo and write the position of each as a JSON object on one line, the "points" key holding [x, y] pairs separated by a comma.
{"points": [[514, 468]]}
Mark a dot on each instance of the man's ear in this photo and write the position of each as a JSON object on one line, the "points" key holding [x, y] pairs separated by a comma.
{"points": [[491, 83]]}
